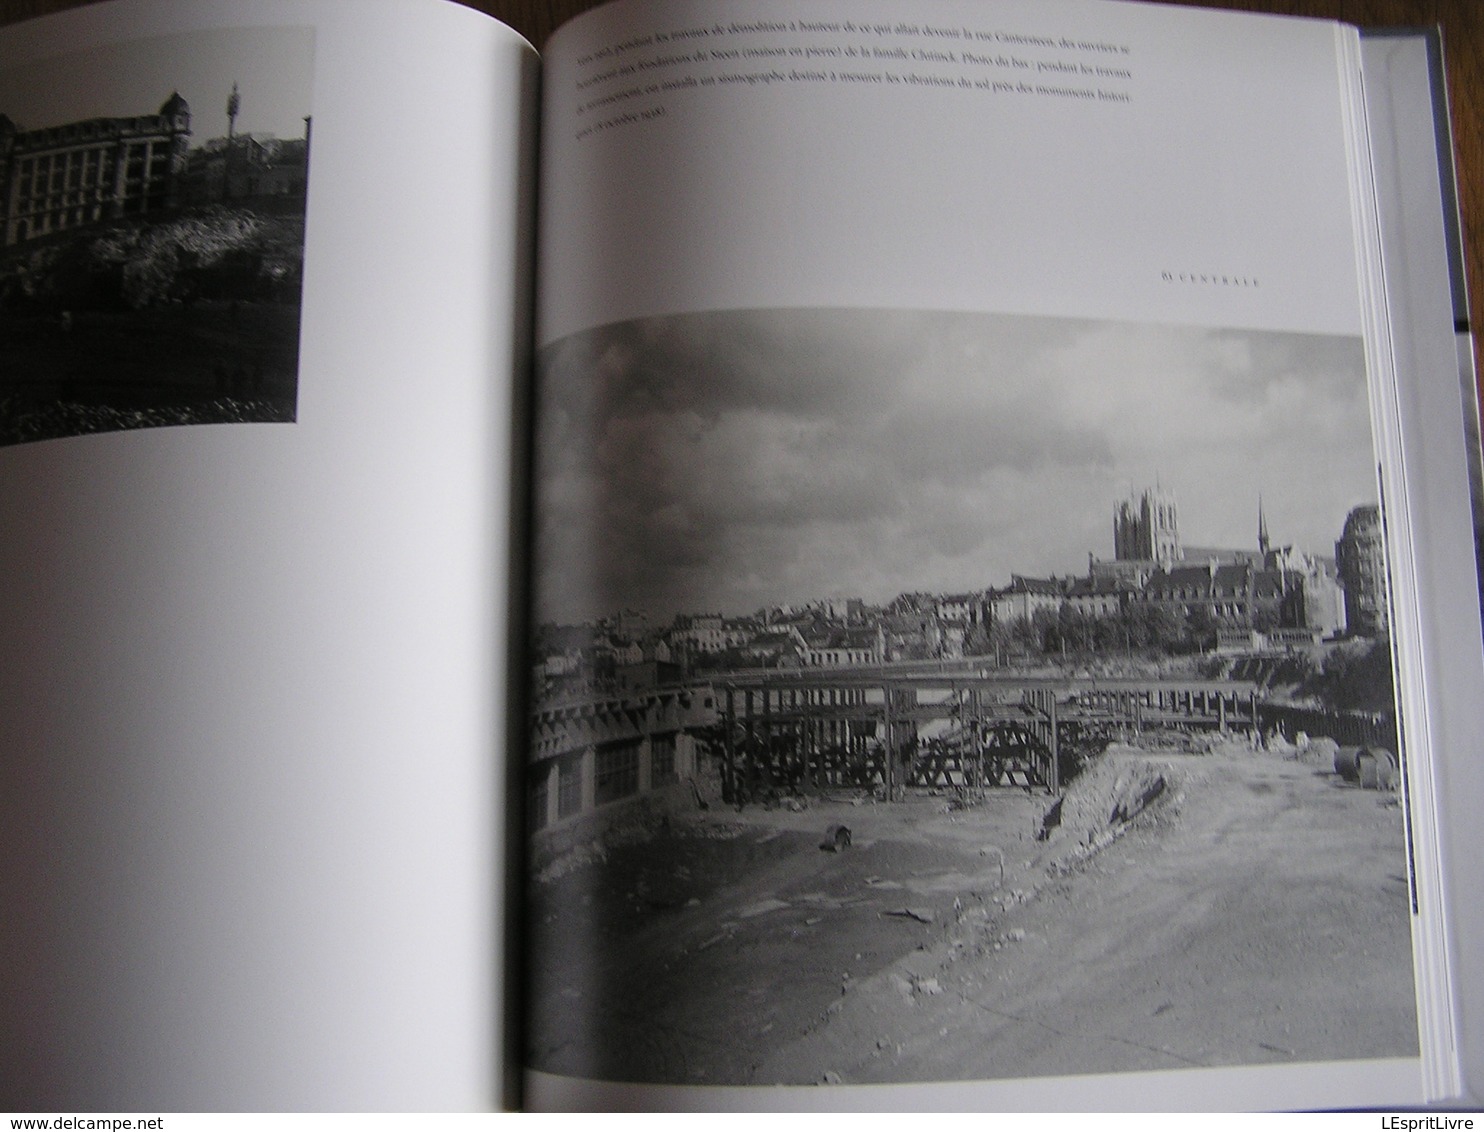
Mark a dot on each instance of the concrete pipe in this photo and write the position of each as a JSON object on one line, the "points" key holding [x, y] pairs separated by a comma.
{"points": [[1377, 768], [1347, 763]]}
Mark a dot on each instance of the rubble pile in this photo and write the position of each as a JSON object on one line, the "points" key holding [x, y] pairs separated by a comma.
{"points": [[1101, 802]]}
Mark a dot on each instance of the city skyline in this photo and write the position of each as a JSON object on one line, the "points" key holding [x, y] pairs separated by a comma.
{"points": [[741, 460], [272, 66], [1193, 556]]}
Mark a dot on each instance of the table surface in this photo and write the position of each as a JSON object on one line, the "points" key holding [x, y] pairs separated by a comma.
{"points": [[1462, 22]]}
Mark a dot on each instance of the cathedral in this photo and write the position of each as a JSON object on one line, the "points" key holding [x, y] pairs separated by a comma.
{"points": [[1279, 591], [1147, 529]]}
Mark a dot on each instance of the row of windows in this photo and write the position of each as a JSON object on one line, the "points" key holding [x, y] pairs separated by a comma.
{"points": [[57, 163], [92, 171], [60, 195], [842, 656], [73, 178], [37, 220], [56, 221], [615, 776], [1216, 609], [39, 189], [108, 128], [61, 201]]}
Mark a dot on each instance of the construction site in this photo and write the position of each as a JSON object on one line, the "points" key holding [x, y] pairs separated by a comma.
{"points": [[972, 876]]}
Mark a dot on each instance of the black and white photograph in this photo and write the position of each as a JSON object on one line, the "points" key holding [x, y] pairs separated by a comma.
{"points": [[152, 249], [940, 696]]}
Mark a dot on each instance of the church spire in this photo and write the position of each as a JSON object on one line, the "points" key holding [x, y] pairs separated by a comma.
{"points": [[234, 103], [1262, 529]]}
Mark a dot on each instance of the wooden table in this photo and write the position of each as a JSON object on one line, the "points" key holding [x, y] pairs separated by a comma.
{"points": [[1462, 22]]}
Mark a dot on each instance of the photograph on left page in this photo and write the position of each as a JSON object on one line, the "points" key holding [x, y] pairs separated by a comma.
{"points": [[152, 218]]}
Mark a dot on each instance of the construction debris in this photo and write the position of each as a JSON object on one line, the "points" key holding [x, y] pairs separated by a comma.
{"points": [[1372, 768], [836, 838], [921, 915]]}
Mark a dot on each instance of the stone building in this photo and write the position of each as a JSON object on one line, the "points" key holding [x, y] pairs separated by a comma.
{"points": [[1147, 529], [1024, 597], [1360, 560], [64, 177], [835, 646], [1233, 594]]}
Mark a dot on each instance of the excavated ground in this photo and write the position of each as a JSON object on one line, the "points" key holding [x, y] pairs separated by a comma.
{"points": [[1232, 907]]}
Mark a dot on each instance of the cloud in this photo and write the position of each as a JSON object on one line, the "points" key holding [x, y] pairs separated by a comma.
{"points": [[727, 460]]}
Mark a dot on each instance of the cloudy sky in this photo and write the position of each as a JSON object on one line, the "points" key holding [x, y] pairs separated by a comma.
{"points": [[273, 68], [730, 460]]}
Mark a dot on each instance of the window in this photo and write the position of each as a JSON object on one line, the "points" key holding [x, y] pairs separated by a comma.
{"points": [[617, 773], [662, 759], [569, 786], [536, 802]]}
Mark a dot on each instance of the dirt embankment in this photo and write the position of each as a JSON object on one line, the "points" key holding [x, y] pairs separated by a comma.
{"points": [[1232, 907]]}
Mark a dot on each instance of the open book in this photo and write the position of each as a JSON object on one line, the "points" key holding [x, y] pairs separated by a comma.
{"points": [[913, 546]]}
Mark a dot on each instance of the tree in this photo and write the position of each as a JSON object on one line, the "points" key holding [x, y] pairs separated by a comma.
{"points": [[1199, 629], [1152, 625], [979, 641], [1046, 630], [1354, 679]]}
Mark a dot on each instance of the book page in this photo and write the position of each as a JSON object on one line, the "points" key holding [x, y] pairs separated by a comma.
{"points": [[1418, 209], [963, 649], [1053, 165], [254, 629]]}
